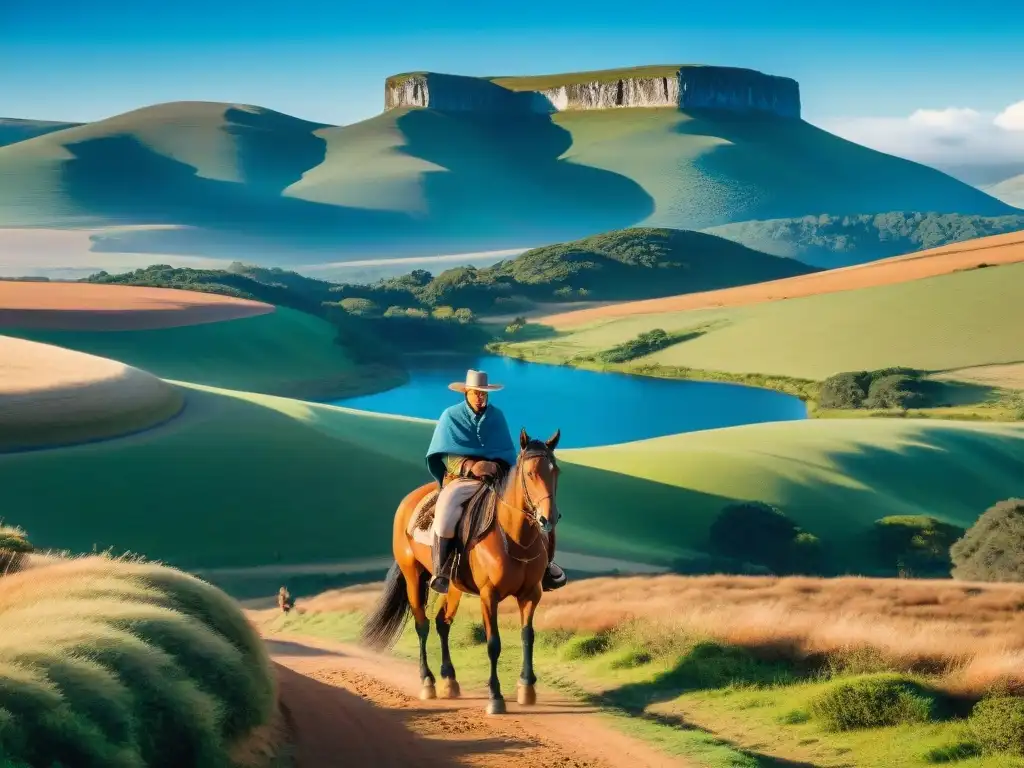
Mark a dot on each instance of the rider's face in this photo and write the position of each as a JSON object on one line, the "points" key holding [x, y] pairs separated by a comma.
{"points": [[477, 399]]}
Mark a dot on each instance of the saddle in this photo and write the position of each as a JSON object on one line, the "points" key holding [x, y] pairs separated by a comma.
{"points": [[477, 519]]}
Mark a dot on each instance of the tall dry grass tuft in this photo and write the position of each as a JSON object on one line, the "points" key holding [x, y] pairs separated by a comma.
{"points": [[971, 633], [112, 662]]}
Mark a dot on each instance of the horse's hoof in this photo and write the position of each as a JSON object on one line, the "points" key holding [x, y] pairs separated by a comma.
{"points": [[450, 689], [496, 707], [428, 692], [526, 695]]}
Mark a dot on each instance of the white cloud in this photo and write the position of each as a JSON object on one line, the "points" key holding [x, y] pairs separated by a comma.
{"points": [[952, 136], [1011, 118]]}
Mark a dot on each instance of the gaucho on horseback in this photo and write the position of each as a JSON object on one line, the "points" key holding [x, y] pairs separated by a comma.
{"points": [[471, 446]]}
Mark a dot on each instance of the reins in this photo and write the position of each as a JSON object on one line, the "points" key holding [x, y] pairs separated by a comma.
{"points": [[531, 515]]}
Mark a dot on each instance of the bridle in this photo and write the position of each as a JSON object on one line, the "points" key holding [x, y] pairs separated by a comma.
{"points": [[532, 510]]}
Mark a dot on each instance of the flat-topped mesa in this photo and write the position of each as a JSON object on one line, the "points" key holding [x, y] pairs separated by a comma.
{"points": [[681, 87]]}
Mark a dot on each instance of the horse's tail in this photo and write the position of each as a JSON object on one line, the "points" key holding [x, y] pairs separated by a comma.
{"points": [[386, 622]]}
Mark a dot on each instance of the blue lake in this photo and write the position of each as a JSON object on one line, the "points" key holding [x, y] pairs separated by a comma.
{"points": [[590, 408]]}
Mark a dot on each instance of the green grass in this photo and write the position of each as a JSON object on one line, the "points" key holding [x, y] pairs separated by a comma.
{"points": [[543, 82], [286, 353], [934, 324], [715, 704], [126, 664], [834, 478], [245, 480], [413, 181]]}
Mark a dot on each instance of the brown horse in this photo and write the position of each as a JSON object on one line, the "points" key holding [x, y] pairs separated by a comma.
{"points": [[508, 561]]}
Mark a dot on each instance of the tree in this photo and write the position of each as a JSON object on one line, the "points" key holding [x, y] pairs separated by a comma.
{"points": [[759, 533], [993, 548], [915, 543]]}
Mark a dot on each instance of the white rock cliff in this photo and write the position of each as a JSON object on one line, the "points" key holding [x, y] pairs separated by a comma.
{"points": [[726, 88]]}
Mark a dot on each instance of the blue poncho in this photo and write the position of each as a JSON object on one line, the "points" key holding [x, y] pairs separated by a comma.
{"points": [[462, 432]]}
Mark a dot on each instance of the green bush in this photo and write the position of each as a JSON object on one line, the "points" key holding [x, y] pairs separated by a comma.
{"points": [[587, 646], [886, 388], [915, 543], [643, 344], [844, 390], [758, 533], [993, 548], [113, 663], [895, 391], [997, 724], [875, 702], [360, 307]]}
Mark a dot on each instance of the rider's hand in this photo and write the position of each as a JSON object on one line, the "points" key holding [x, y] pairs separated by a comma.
{"points": [[484, 469]]}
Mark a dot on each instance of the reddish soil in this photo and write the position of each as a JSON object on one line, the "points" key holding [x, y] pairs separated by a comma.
{"points": [[348, 706], [97, 307], [995, 250]]}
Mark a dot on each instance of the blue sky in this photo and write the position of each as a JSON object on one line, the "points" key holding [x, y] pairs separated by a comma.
{"points": [[326, 59]]}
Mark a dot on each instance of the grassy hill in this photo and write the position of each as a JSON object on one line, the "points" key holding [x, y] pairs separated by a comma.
{"points": [[415, 181], [936, 324], [286, 352], [13, 130], [244, 480], [840, 241]]}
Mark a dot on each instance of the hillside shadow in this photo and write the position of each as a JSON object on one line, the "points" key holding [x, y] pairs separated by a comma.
{"points": [[800, 169], [504, 176], [621, 507], [120, 179], [272, 154]]}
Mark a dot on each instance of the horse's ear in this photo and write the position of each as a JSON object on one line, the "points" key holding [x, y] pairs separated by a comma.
{"points": [[524, 439], [552, 442]]}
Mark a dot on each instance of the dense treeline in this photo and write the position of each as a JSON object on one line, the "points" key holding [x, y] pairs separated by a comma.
{"points": [[834, 240]]}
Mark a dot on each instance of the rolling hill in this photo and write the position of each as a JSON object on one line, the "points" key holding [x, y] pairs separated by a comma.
{"points": [[198, 337], [252, 480], [934, 311], [1010, 191], [13, 130], [415, 181]]}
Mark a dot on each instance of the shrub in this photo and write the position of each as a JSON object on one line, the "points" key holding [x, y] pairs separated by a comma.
{"points": [[845, 390], [644, 344], [111, 662], [14, 545], [916, 543], [885, 388], [993, 548], [360, 307], [759, 533], [895, 391], [875, 702], [997, 724], [587, 646]]}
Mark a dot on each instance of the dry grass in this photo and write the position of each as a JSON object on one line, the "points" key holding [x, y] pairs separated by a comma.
{"points": [[119, 663], [55, 396], [971, 633], [995, 250], [100, 307]]}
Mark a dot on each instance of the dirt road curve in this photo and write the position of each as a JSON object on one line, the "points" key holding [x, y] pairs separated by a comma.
{"points": [[351, 707]]}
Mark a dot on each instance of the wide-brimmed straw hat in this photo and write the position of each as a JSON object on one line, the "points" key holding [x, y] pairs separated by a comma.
{"points": [[474, 380]]}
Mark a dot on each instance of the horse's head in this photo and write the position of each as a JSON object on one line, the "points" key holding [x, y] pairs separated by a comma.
{"points": [[538, 471]]}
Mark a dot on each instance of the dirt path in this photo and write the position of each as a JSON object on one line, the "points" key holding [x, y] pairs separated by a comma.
{"points": [[349, 706]]}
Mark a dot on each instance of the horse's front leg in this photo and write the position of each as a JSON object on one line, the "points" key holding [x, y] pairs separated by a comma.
{"points": [[443, 622], [489, 608], [526, 693]]}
